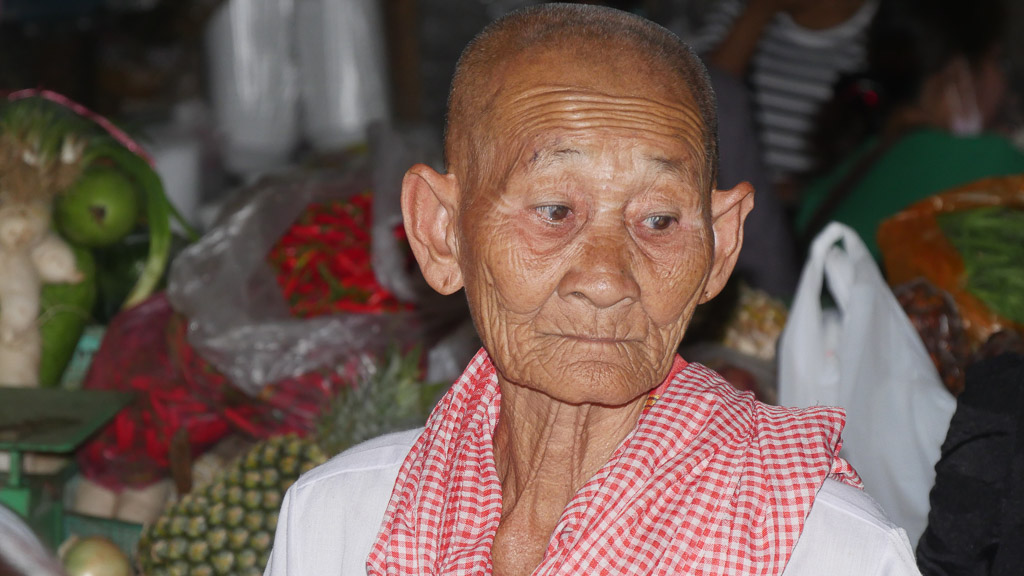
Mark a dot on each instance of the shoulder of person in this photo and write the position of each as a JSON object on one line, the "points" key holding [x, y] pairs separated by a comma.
{"points": [[848, 533], [840, 502], [946, 139], [994, 143], [331, 515], [381, 454], [986, 154]]}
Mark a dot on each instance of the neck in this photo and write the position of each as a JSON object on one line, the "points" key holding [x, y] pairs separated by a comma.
{"points": [[545, 450], [539, 439]]}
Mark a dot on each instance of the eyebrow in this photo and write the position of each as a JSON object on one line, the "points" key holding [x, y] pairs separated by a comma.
{"points": [[678, 167], [544, 157]]}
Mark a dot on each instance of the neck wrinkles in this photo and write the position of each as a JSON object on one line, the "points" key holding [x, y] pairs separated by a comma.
{"points": [[545, 446]]}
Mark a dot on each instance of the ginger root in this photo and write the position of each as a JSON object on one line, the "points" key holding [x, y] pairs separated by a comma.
{"points": [[30, 254]]}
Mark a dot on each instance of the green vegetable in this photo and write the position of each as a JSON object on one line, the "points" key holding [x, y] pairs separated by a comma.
{"points": [[158, 214], [990, 241], [41, 126], [99, 209], [65, 310]]}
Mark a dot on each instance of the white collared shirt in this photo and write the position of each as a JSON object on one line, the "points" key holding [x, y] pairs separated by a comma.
{"points": [[330, 517]]}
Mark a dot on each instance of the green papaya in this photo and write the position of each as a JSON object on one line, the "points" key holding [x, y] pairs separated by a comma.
{"points": [[64, 312]]}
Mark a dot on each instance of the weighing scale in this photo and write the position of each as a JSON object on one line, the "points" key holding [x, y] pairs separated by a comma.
{"points": [[50, 421]]}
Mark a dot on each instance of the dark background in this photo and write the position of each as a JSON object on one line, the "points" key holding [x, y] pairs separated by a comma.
{"points": [[134, 59]]}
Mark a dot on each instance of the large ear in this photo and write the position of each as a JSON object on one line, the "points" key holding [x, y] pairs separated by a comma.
{"points": [[729, 209], [429, 210]]}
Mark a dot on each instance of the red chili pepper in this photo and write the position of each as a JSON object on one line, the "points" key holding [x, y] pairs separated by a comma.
{"points": [[323, 261]]}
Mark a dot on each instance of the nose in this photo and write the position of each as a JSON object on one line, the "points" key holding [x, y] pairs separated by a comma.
{"points": [[602, 272]]}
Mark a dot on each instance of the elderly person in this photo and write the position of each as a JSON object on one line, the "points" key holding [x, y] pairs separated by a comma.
{"points": [[579, 213]]}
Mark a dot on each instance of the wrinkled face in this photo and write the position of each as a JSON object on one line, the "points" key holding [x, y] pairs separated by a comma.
{"points": [[584, 265]]}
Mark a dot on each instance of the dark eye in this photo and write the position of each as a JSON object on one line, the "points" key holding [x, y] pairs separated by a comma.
{"points": [[660, 222], [554, 212]]}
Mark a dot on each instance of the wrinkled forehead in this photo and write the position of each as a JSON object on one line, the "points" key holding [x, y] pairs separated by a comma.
{"points": [[547, 95]]}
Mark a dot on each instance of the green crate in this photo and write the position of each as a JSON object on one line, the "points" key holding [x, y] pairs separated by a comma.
{"points": [[124, 534]]}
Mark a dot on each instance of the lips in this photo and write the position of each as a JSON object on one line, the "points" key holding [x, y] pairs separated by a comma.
{"points": [[596, 339]]}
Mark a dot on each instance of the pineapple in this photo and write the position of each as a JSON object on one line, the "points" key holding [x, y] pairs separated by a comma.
{"points": [[390, 397], [228, 525]]}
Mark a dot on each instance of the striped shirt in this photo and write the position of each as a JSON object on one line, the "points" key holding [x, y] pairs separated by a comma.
{"points": [[791, 76]]}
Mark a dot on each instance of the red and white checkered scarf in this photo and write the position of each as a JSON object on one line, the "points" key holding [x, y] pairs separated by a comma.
{"points": [[709, 482]]}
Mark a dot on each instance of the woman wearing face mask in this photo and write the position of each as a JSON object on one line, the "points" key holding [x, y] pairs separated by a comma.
{"points": [[916, 124]]}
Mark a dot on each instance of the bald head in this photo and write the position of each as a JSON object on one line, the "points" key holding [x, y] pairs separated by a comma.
{"points": [[580, 35]]}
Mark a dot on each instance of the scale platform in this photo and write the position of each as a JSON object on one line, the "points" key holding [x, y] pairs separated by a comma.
{"points": [[49, 421]]}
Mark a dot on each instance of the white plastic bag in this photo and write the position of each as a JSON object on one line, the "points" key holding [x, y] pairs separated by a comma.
{"points": [[342, 60], [254, 83], [866, 357]]}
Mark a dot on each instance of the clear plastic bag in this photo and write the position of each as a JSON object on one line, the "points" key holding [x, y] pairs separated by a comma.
{"points": [[392, 153], [238, 318]]}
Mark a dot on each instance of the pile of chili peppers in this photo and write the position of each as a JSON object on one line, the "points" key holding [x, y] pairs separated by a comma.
{"points": [[322, 262], [146, 351]]}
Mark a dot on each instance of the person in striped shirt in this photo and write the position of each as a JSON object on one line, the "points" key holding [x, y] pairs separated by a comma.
{"points": [[791, 53]]}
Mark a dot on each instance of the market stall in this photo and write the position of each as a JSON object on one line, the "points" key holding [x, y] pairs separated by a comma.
{"points": [[171, 359]]}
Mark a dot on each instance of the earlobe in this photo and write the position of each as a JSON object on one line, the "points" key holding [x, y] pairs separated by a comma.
{"points": [[429, 204], [729, 210]]}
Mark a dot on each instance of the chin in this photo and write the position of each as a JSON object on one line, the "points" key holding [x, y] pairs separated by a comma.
{"points": [[580, 371], [598, 382]]}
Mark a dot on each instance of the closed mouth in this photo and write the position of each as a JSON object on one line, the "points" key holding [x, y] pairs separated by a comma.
{"points": [[597, 339]]}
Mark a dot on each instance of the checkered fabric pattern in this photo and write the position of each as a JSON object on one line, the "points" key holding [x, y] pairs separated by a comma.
{"points": [[709, 482]]}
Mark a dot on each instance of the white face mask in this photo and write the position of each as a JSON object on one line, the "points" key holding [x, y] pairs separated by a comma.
{"points": [[966, 118]]}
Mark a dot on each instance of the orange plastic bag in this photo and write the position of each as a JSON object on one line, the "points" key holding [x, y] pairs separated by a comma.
{"points": [[914, 246]]}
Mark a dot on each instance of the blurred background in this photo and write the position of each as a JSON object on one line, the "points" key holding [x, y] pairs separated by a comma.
{"points": [[281, 130], [224, 89]]}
